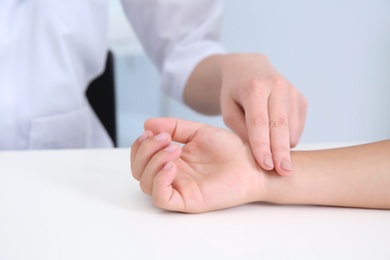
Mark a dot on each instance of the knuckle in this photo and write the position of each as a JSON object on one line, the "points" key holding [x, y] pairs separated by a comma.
{"points": [[263, 86], [254, 86], [280, 149], [260, 143], [278, 81], [279, 122], [279, 84], [263, 146], [258, 122]]}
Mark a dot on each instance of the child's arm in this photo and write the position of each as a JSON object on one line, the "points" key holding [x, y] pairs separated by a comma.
{"points": [[215, 169], [357, 176]]}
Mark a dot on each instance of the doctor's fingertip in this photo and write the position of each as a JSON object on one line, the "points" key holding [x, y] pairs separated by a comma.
{"points": [[267, 160], [286, 165]]}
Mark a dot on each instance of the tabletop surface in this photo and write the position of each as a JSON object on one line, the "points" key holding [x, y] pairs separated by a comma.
{"points": [[84, 204]]}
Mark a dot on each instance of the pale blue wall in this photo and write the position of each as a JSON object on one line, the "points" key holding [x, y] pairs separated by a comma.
{"points": [[336, 52]]}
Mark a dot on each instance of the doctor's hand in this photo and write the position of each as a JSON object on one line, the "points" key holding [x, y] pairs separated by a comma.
{"points": [[261, 106], [214, 169], [256, 102]]}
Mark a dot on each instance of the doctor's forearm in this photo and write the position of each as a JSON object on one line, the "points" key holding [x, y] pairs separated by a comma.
{"points": [[356, 176], [202, 91]]}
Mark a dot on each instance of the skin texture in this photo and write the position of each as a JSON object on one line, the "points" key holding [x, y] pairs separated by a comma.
{"points": [[256, 102], [215, 169]]}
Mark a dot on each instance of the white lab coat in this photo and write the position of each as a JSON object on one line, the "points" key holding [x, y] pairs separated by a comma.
{"points": [[51, 50]]}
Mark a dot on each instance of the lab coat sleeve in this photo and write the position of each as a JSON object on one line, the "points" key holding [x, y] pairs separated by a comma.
{"points": [[177, 35]]}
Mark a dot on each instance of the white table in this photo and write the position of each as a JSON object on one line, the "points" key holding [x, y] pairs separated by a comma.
{"points": [[84, 204]]}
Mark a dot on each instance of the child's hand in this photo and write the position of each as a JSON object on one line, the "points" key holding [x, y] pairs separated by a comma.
{"points": [[214, 169]]}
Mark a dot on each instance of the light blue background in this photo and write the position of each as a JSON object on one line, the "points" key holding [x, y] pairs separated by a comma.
{"points": [[337, 53]]}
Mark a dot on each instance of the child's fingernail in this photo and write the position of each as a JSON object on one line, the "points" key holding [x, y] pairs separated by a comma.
{"points": [[168, 166], [162, 137], [286, 166], [171, 147], [268, 161], [143, 137]]}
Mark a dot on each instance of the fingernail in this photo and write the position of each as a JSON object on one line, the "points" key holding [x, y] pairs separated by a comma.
{"points": [[167, 166], [171, 148], [161, 137], [143, 137], [268, 161], [286, 165]]}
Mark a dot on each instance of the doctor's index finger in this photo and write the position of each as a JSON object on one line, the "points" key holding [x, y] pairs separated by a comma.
{"points": [[257, 121], [280, 132]]}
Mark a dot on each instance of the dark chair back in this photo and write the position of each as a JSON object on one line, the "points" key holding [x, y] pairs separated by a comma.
{"points": [[101, 96]]}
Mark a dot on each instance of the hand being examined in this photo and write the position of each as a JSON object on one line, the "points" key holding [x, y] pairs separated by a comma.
{"points": [[213, 170]]}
